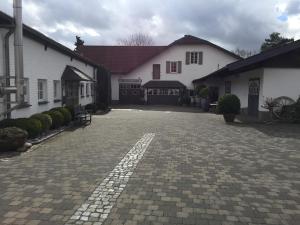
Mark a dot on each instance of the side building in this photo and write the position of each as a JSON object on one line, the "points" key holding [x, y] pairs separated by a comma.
{"points": [[271, 74], [54, 75]]}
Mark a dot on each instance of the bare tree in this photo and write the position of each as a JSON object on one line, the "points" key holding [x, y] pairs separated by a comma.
{"points": [[138, 39], [244, 53]]}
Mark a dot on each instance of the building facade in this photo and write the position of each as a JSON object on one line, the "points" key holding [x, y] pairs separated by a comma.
{"points": [[271, 74], [45, 64], [132, 68]]}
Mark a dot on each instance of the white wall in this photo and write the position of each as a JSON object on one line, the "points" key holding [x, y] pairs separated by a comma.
{"points": [[281, 82], [44, 64], [240, 86], [213, 59]]}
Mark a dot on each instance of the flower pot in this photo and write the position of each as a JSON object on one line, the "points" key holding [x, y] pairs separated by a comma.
{"points": [[198, 101], [229, 118], [204, 104]]}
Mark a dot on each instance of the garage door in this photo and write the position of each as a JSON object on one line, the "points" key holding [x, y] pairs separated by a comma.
{"points": [[163, 96], [130, 93]]}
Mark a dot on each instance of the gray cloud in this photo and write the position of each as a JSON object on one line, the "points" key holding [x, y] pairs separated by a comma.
{"points": [[293, 7], [230, 23]]}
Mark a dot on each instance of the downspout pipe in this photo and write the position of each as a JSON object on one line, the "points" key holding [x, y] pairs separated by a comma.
{"points": [[6, 59], [18, 39]]}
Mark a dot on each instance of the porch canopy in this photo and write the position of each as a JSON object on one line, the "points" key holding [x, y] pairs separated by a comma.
{"points": [[163, 84], [73, 74]]}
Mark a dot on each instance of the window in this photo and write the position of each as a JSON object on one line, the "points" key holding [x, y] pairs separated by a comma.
{"points": [[227, 87], [42, 90], [26, 90], [87, 90], [82, 90], [173, 66], [57, 89], [194, 57]]}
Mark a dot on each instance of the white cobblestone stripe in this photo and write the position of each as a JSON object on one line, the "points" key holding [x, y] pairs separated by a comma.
{"points": [[102, 200]]}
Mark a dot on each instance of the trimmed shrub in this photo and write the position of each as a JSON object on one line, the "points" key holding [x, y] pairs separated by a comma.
{"points": [[102, 106], [297, 111], [91, 108], [32, 126], [71, 110], [45, 120], [204, 92], [229, 104], [57, 118], [66, 114], [198, 89], [12, 138]]}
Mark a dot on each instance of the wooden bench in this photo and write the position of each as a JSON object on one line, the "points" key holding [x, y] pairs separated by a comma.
{"points": [[82, 116], [213, 107]]}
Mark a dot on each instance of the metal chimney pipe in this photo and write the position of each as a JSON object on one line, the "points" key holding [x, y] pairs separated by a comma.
{"points": [[18, 42]]}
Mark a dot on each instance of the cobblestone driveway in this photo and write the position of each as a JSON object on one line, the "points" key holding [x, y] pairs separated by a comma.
{"points": [[197, 170]]}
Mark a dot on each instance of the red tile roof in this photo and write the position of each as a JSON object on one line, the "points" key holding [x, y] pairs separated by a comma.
{"points": [[120, 59], [123, 59]]}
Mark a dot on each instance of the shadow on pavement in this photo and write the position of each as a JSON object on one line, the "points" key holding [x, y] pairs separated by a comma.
{"points": [[161, 108]]}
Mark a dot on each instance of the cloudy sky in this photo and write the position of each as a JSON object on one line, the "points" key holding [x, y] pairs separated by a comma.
{"points": [[229, 23]]}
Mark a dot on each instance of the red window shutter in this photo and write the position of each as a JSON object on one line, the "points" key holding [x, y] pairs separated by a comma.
{"points": [[200, 62], [168, 67], [179, 66], [187, 58]]}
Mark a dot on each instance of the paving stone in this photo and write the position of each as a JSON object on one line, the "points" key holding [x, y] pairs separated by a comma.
{"points": [[197, 169]]}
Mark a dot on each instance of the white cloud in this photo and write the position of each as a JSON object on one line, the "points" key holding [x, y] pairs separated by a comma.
{"points": [[230, 23]]}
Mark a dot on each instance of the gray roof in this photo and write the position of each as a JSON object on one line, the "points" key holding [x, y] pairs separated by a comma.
{"points": [[260, 60]]}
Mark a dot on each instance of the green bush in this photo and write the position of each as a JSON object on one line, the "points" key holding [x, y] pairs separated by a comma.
{"points": [[12, 138], [229, 104], [71, 110], [57, 118], [66, 114], [198, 89], [204, 92], [31, 125], [297, 111], [45, 120]]}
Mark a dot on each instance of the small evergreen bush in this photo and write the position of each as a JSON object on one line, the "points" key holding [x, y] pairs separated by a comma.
{"points": [[66, 114], [57, 118], [45, 120], [229, 104]]}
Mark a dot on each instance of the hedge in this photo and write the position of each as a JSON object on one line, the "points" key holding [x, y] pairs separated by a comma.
{"points": [[66, 114], [31, 125], [45, 120], [57, 118]]}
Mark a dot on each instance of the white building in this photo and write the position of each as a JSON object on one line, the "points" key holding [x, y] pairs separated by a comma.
{"points": [[54, 74], [163, 71], [270, 74]]}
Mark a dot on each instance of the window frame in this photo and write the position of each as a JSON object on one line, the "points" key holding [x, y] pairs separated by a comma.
{"points": [[194, 57], [87, 90], [42, 90], [57, 89], [81, 86]]}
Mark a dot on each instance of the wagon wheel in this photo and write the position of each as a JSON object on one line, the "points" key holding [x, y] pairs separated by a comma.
{"points": [[279, 109]]}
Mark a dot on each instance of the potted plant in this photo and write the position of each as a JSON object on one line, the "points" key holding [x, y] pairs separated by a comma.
{"points": [[197, 95], [229, 105], [204, 98]]}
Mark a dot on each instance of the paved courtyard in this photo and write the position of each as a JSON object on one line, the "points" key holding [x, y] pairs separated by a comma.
{"points": [[157, 166]]}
